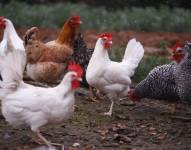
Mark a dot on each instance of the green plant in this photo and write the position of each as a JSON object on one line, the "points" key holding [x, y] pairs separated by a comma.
{"points": [[147, 64], [141, 19]]}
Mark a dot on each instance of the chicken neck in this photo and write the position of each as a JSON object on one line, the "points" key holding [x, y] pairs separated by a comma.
{"points": [[100, 53], [64, 88], [67, 34], [11, 33]]}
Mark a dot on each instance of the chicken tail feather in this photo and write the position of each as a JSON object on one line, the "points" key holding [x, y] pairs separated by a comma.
{"points": [[13, 65], [134, 53]]}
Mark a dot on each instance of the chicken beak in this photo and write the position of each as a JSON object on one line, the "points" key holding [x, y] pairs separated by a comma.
{"points": [[80, 22], [110, 42], [79, 79]]}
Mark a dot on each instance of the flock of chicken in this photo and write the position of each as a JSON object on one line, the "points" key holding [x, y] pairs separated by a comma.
{"points": [[67, 61]]}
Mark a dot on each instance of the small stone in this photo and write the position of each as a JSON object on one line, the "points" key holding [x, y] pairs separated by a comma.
{"points": [[76, 145], [142, 126], [7, 136], [122, 138], [153, 133], [103, 131], [152, 129], [162, 137]]}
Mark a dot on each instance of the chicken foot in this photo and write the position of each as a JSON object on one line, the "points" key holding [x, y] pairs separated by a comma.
{"points": [[95, 96], [92, 95], [49, 144], [172, 109], [109, 113]]}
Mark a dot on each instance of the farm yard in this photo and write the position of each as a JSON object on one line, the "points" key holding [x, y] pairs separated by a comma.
{"points": [[144, 125]]}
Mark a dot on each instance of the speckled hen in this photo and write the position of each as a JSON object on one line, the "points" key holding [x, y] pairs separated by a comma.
{"points": [[159, 84], [82, 54], [183, 73]]}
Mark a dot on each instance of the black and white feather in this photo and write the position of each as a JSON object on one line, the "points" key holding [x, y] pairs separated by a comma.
{"points": [[159, 83], [82, 54]]}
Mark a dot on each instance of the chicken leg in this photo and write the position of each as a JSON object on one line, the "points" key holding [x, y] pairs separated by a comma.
{"points": [[172, 109], [44, 139], [92, 95], [109, 113], [96, 95], [49, 144]]}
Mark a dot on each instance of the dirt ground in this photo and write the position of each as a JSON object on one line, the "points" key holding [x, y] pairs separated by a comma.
{"points": [[146, 125]]}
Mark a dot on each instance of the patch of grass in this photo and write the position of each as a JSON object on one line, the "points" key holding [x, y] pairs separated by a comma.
{"points": [[141, 19], [117, 53], [147, 64]]}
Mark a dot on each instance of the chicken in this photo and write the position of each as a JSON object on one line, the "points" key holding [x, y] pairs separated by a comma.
{"points": [[113, 78], [82, 56], [45, 58], [9, 34], [177, 54], [183, 72], [24, 104], [160, 82]]}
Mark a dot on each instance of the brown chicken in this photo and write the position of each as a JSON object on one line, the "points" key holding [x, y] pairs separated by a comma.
{"points": [[47, 62]]}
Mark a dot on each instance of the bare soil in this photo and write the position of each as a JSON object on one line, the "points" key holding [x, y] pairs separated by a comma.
{"points": [[146, 125]]}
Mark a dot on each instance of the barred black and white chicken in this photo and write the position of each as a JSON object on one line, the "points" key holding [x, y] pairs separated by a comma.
{"points": [[171, 81], [82, 55], [160, 82], [183, 72]]}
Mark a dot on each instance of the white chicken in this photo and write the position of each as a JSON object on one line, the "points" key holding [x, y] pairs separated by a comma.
{"points": [[9, 34], [113, 78], [35, 106]]}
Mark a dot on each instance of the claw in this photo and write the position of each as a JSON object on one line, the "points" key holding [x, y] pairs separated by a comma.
{"points": [[107, 114]]}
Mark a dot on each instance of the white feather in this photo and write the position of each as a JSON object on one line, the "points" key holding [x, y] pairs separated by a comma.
{"points": [[10, 36], [113, 77], [30, 105]]}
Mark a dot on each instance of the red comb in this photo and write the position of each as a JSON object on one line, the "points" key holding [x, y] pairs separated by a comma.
{"points": [[2, 18], [108, 35], [76, 17], [177, 45], [76, 68]]}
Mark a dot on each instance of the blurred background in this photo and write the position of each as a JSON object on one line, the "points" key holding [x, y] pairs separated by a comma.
{"points": [[157, 24], [140, 15]]}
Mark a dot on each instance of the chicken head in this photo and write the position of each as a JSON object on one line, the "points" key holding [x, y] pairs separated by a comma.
{"points": [[177, 52], [107, 39], [2, 23], [75, 21], [77, 69]]}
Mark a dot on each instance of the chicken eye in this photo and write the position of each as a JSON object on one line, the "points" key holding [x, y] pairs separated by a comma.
{"points": [[104, 38], [179, 51], [73, 76]]}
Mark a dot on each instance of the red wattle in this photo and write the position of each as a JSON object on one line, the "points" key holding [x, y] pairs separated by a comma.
{"points": [[75, 84], [107, 45]]}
